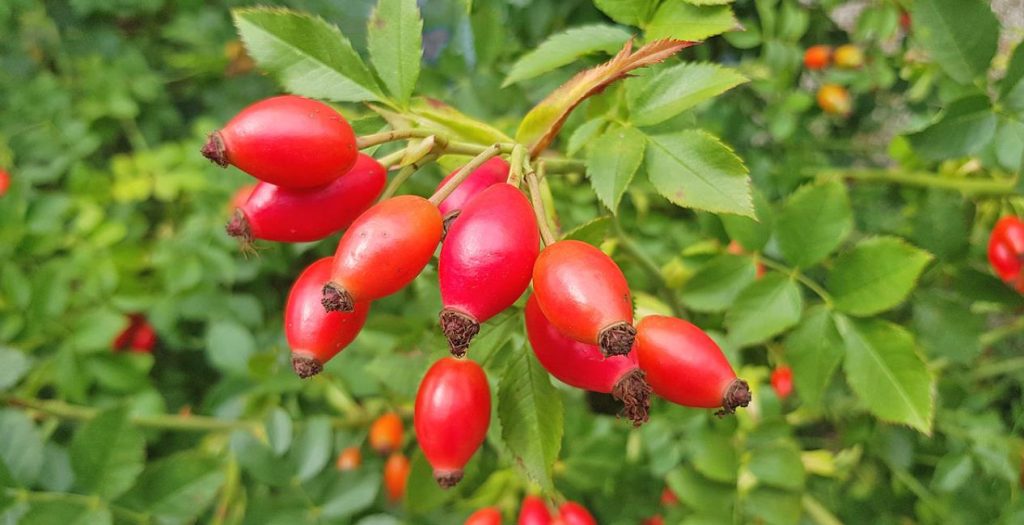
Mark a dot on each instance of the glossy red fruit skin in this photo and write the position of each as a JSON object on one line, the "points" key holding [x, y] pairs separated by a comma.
{"points": [[485, 516], [383, 250], [584, 294], [315, 336], [817, 57], [275, 213], [1006, 251], [584, 366], [144, 339], [486, 261], [654, 520], [782, 381], [451, 416], [5, 182], [533, 512], [492, 172], [242, 195], [685, 366], [288, 141], [575, 514]]}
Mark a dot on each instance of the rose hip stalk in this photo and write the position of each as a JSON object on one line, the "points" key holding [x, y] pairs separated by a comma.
{"points": [[315, 336], [534, 512], [486, 261], [451, 416], [274, 213], [684, 366], [584, 294], [484, 516], [583, 366], [383, 250], [1006, 251], [288, 141], [494, 171]]}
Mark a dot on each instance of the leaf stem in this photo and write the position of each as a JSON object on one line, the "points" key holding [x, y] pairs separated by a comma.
{"points": [[464, 173], [515, 172], [800, 278], [538, 206], [392, 158], [377, 139], [993, 187], [404, 174]]}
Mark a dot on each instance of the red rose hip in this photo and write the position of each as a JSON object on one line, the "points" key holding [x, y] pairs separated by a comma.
{"points": [[533, 512], [492, 172], [383, 250], [1006, 251], [573, 513], [288, 141], [782, 381], [315, 336], [484, 516], [583, 366], [686, 367], [275, 213], [5, 181], [817, 57], [451, 416], [584, 294], [486, 261]]}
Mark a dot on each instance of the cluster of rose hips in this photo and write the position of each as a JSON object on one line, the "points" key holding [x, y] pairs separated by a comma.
{"points": [[385, 438], [579, 319], [834, 98], [1006, 251], [535, 512]]}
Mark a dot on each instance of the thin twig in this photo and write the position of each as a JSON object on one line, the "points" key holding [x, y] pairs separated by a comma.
{"points": [[464, 174]]}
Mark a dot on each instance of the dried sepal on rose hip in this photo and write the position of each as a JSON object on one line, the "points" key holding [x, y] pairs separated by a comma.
{"points": [[451, 416], [686, 367], [315, 336], [486, 262], [382, 252], [274, 213], [584, 294], [583, 366], [288, 141]]}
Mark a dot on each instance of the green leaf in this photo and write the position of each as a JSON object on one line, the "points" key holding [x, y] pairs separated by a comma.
{"points": [[229, 346], [13, 365], [694, 169], [942, 224], [179, 488], [678, 88], [67, 513], [752, 234], [279, 430], [876, 275], [683, 21], [963, 128], [947, 327], [594, 231], [702, 494], [21, 447], [884, 370], [814, 221], [715, 457], [766, 308], [777, 466], [530, 411], [960, 35], [1011, 87], [628, 12], [565, 48], [814, 351], [395, 41], [772, 507], [714, 287], [108, 454], [308, 55], [313, 447], [259, 461], [612, 161], [422, 493], [494, 334], [351, 494], [584, 133]]}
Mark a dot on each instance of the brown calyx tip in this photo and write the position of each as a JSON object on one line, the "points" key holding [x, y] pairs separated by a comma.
{"points": [[215, 151], [448, 478], [634, 392], [736, 395], [238, 227], [616, 339], [337, 299], [449, 218], [305, 366], [459, 329]]}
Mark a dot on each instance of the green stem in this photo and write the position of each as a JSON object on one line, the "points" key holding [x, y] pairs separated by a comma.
{"points": [[64, 410], [538, 207], [800, 278], [392, 158], [515, 172], [376, 139], [994, 336], [1001, 187], [817, 512], [633, 249], [82, 500], [464, 173], [404, 174], [998, 368]]}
